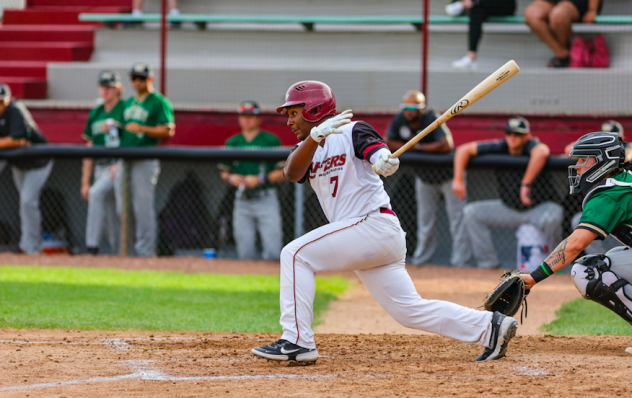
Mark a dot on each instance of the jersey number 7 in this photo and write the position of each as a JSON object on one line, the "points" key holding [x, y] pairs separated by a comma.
{"points": [[334, 180]]}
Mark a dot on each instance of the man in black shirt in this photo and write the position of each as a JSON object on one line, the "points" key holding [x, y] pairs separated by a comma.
{"points": [[526, 196], [430, 184], [17, 129]]}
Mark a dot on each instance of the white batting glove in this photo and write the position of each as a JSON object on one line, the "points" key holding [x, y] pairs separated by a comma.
{"points": [[385, 165], [331, 126]]}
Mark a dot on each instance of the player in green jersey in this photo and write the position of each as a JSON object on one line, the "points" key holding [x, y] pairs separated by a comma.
{"points": [[601, 173], [103, 129]]}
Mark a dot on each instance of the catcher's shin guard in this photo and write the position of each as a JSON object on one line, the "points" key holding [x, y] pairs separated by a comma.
{"points": [[597, 282]]}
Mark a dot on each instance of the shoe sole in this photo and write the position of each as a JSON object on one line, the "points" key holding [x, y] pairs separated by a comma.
{"points": [[507, 332], [301, 358]]}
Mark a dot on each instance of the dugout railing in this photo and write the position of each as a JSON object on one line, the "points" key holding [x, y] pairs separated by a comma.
{"points": [[194, 206]]}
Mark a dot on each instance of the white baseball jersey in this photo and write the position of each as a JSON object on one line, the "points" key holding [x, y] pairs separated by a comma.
{"points": [[345, 184]]}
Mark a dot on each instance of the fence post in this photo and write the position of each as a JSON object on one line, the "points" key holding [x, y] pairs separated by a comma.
{"points": [[298, 210], [125, 207], [163, 47], [424, 49]]}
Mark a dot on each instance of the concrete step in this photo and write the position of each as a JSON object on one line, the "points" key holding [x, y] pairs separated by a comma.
{"points": [[35, 51], [31, 69], [26, 87], [84, 3], [46, 33], [55, 15]]}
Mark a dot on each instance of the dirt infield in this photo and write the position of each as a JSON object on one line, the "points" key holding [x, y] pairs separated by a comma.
{"points": [[386, 362]]}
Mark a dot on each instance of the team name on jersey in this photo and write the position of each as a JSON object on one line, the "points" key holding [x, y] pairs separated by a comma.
{"points": [[136, 112], [328, 165]]}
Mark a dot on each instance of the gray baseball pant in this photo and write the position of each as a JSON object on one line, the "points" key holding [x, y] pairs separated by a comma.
{"points": [[428, 199], [263, 215], [29, 184], [102, 214], [481, 216], [143, 179]]}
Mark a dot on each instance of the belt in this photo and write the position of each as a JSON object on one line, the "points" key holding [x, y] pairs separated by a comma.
{"points": [[384, 210]]}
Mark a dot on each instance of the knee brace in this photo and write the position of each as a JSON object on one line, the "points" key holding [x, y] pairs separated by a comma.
{"points": [[597, 282]]}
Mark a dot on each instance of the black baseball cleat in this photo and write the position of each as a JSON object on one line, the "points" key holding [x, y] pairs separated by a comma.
{"points": [[503, 330], [283, 350]]}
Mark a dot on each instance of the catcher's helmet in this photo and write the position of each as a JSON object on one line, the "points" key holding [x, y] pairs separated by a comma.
{"points": [[317, 97], [609, 153]]}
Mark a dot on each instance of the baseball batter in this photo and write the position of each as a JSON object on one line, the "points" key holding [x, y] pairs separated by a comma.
{"points": [[336, 155], [602, 174]]}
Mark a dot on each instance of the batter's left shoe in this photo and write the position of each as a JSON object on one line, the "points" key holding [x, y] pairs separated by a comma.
{"points": [[503, 330], [283, 350]]}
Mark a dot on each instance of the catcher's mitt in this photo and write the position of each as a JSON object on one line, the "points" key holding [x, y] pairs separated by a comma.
{"points": [[508, 296]]}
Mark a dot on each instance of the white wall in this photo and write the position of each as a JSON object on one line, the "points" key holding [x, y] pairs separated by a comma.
{"points": [[11, 4]]}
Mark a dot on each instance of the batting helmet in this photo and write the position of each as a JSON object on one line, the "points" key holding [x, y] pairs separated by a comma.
{"points": [[317, 97], [609, 154]]}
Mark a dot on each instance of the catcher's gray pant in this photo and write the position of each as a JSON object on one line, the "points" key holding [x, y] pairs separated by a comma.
{"points": [[29, 184], [483, 215], [620, 264], [263, 215], [428, 199], [102, 214], [143, 179], [374, 246]]}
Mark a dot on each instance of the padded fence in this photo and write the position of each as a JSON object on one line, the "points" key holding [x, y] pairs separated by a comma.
{"points": [[194, 206]]}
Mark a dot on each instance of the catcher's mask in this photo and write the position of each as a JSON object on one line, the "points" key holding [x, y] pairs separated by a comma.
{"points": [[609, 153]]}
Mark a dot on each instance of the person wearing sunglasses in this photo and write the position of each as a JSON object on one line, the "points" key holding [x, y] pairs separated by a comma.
{"points": [[18, 129], [148, 118], [103, 129], [430, 183], [526, 196]]}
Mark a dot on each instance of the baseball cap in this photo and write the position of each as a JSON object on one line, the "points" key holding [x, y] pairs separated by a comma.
{"points": [[140, 69], [612, 126], [249, 108], [5, 92], [517, 124], [109, 79]]}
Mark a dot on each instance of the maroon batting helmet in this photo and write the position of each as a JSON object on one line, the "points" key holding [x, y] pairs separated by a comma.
{"points": [[317, 97]]}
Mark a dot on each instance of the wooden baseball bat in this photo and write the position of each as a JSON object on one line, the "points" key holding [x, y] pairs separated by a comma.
{"points": [[482, 89]]}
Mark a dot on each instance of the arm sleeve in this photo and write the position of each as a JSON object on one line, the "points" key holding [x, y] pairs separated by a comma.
{"points": [[492, 147], [366, 141], [166, 117], [601, 215], [16, 124]]}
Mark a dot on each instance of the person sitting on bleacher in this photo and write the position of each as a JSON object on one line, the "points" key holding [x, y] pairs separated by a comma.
{"points": [[137, 10], [551, 21], [478, 11], [526, 196]]}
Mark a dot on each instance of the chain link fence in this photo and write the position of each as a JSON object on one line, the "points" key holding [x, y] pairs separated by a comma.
{"points": [[194, 207]]}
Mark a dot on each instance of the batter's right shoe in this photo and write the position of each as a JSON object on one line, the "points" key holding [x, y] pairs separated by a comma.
{"points": [[503, 330], [283, 350]]}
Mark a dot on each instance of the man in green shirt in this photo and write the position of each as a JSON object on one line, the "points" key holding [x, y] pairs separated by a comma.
{"points": [[601, 173], [256, 203], [103, 129], [148, 118]]}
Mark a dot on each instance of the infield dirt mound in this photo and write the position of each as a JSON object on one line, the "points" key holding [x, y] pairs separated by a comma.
{"points": [[144, 364]]}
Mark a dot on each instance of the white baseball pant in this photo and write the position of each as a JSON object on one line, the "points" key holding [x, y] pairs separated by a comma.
{"points": [[375, 247]]}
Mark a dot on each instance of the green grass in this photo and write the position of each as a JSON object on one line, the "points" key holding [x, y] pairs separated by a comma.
{"points": [[581, 316], [108, 299]]}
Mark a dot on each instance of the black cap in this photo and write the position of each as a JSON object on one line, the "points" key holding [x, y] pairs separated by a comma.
{"points": [[140, 69], [517, 124], [109, 79], [5, 92], [249, 108], [612, 126]]}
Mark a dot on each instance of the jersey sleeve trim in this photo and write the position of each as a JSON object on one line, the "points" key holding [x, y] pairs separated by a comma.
{"points": [[370, 150], [599, 230]]}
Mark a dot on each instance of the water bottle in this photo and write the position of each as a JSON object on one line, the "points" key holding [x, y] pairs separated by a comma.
{"points": [[112, 139]]}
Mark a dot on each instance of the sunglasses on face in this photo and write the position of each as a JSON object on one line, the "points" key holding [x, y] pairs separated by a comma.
{"points": [[411, 107], [514, 133], [141, 78]]}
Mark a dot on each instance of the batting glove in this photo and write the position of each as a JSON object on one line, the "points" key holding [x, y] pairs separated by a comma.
{"points": [[385, 165], [331, 126]]}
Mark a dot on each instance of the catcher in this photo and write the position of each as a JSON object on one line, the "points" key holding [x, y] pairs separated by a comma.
{"points": [[601, 173]]}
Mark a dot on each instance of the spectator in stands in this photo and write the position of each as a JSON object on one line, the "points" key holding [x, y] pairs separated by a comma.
{"points": [[478, 11], [525, 197], [103, 129], [18, 129], [148, 118], [137, 10], [256, 207], [430, 184], [551, 21]]}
